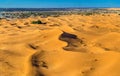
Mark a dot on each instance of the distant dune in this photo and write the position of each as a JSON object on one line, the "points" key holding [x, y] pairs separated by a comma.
{"points": [[113, 8], [69, 45]]}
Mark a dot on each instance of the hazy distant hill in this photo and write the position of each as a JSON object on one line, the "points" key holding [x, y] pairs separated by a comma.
{"points": [[42, 9], [34, 9]]}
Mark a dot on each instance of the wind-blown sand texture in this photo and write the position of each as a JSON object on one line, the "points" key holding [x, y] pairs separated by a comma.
{"points": [[70, 45]]}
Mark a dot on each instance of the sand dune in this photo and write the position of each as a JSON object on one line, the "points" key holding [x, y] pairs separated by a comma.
{"points": [[70, 45], [113, 8]]}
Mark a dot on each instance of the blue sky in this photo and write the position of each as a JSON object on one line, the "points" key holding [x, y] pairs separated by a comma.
{"points": [[58, 3]]}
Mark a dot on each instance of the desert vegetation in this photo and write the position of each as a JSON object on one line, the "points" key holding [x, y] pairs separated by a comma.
{"points": [[56, 12], [37, 22]]}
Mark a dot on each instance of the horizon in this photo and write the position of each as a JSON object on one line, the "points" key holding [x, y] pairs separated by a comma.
{"points": [[59, 4], [53, 7]]}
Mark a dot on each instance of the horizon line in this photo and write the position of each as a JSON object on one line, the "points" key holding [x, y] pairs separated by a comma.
{"points": [[58, 7]]}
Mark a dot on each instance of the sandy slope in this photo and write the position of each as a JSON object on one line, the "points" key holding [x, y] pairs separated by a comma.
{"points": [[70, 45]]}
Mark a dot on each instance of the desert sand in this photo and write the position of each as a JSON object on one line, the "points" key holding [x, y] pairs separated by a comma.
{"points": [[69, 45], [113, 8]]}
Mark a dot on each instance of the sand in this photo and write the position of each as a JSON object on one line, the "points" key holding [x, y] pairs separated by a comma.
{"points": [[69, 45], [113, 8]]}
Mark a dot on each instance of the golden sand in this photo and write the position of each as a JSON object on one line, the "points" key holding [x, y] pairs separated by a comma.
{"points": [[70, 45]]}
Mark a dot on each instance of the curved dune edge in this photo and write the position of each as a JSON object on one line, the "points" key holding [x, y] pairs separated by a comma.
{"points": [[70, 45]]}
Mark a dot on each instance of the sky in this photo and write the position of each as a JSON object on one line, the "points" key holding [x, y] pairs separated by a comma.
{"points": [[58, 3]]}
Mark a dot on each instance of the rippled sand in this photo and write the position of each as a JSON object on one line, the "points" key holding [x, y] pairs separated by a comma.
{"points": [[70, 45]]}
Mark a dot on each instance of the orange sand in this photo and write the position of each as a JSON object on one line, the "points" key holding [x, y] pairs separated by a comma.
{"points": [[70, 45]]}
